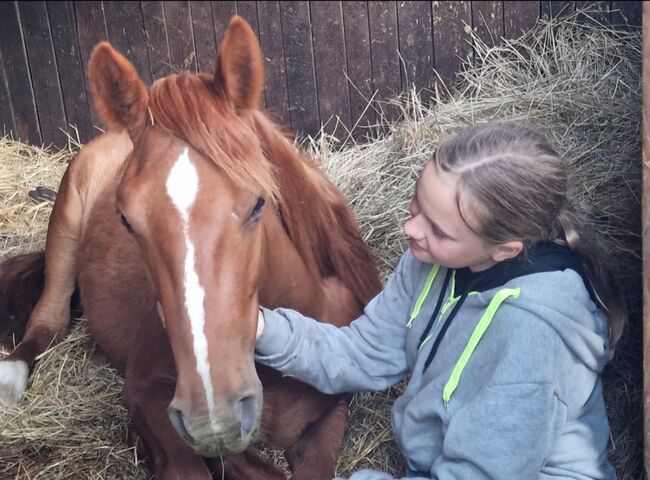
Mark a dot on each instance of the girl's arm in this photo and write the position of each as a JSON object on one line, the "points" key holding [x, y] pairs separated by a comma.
{"points": [[369, 354]]}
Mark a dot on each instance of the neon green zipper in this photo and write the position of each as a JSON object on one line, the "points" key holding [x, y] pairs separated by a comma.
{"points": [[423, 294], [477, 334]]}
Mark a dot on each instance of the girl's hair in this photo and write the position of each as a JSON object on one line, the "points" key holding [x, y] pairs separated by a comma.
{"points": [[512, 185]]}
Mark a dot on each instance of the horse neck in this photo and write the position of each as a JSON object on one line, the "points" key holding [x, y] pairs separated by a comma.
{"points": [[287, 280], [317, 218]]}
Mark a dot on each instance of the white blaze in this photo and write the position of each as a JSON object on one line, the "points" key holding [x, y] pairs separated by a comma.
{"points": [[182, 187]]}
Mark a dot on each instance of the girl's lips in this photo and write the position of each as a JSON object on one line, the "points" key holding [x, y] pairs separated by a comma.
{"points": [[414, 246]]}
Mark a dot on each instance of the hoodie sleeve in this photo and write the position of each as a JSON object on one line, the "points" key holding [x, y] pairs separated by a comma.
{"points": [[369, 354]]}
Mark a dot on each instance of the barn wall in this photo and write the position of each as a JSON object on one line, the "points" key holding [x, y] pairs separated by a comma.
{"points": [[322, 59]]}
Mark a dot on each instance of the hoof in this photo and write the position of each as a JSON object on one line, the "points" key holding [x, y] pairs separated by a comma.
{"points": [[13, 381]]}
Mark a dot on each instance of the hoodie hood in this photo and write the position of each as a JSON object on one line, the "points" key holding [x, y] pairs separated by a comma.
{"points": [[564, 298], [562, 301]]}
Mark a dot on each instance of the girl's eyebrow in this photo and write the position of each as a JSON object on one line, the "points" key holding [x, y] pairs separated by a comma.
{"points": [[434, 224]]}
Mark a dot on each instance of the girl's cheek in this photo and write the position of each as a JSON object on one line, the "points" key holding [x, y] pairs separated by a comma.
{"points": [[433, 245]]}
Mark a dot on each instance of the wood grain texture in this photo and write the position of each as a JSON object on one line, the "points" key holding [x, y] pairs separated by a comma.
{"points": [[330, 67], [276, 93], [416, 46], [298, 50], [645, 228], [43, 71], [487, 21], [384, 56], [452, 23], [16, 68], [70, 69], [91, 29], [359, 64]]}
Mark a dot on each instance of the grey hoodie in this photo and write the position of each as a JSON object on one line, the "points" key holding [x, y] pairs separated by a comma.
{"points": [[517, 395]]}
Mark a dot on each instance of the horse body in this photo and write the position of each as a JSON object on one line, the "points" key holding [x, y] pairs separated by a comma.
{"points": [[171, 246]]}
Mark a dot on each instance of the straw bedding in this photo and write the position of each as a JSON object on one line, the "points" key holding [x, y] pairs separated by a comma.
{"points": [[580, 82]]}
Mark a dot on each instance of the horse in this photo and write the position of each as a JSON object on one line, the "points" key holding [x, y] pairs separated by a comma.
{"points": [[192, 210]]}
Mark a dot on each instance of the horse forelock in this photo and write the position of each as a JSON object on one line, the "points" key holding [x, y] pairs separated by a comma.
{"points": [[188, 107]]}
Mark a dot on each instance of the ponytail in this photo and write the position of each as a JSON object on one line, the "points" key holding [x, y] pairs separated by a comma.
{"points": [[599, 273]]}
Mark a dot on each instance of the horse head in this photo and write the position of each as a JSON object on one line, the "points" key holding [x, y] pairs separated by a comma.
{"points": [[192, 195]]}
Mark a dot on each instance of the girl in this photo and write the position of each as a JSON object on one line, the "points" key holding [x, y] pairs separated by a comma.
{"points": [[495, 312]]}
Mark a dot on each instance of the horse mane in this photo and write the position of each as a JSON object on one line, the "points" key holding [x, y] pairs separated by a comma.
{"points": [[189, 107], [315, 213]]}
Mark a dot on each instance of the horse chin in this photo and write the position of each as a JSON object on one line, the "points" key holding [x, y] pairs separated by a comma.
{"points": [[225, 444]]}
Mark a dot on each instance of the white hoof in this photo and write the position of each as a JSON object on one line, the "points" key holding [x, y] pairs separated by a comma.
{"points": [[13, 381]]}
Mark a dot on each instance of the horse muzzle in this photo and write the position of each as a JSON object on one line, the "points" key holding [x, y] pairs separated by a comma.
{"points": [[219, 433]]}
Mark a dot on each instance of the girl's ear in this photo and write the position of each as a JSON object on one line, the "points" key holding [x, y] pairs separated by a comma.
{"points": [[240, 72], [507, 250], [120, 96]]}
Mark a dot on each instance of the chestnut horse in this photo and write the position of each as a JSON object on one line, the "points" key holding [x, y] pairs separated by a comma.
{"points": [[191, 211]]}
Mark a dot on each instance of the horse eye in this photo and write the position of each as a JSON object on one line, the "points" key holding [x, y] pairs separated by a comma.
{"points": [[257, 209], [126, 224]]}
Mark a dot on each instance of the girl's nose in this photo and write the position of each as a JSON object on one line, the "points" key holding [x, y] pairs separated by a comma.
{"points": [[412, 228]]}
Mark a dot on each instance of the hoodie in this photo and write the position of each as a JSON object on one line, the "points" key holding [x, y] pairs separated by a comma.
{"points": [[504, 367]]}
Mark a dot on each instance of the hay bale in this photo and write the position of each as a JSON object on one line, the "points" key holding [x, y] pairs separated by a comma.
{"points": [[581, 82], [23, 222]]}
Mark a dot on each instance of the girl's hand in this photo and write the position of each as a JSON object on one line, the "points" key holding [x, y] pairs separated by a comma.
{"points": [[260, 324]]}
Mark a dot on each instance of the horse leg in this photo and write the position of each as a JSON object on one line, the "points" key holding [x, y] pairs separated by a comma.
{"points": [[314, 455], [149, 387], [51, 315]]}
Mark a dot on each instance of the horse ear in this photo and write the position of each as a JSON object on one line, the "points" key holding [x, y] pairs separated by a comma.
{"points": [[240, 73], [119, 94]]}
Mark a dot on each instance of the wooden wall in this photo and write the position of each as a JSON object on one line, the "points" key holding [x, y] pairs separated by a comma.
{"points": [[322, 59]]}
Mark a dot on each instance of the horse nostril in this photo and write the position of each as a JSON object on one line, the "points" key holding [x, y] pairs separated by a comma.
{"points": [[247, 415], [176, 417]]}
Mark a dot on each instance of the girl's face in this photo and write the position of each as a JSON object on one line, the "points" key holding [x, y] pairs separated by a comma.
{"points": [[436, 230]]}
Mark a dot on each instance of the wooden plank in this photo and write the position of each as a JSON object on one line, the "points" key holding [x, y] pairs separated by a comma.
{"points": [[17, 75], [125, 27], [416, 46], [645, 198], [222, 12], [205, 41], [275, 86], [330, 66], [487, 21], [357, 49], [384, 50], [519, 17], [179, 36], [626, 13], [595, 12], [91, 29], [70, 68], [296, 33], [155, 31], [43, 70], [451, 39], [559, 8], [7, 124], [545, 9]]}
